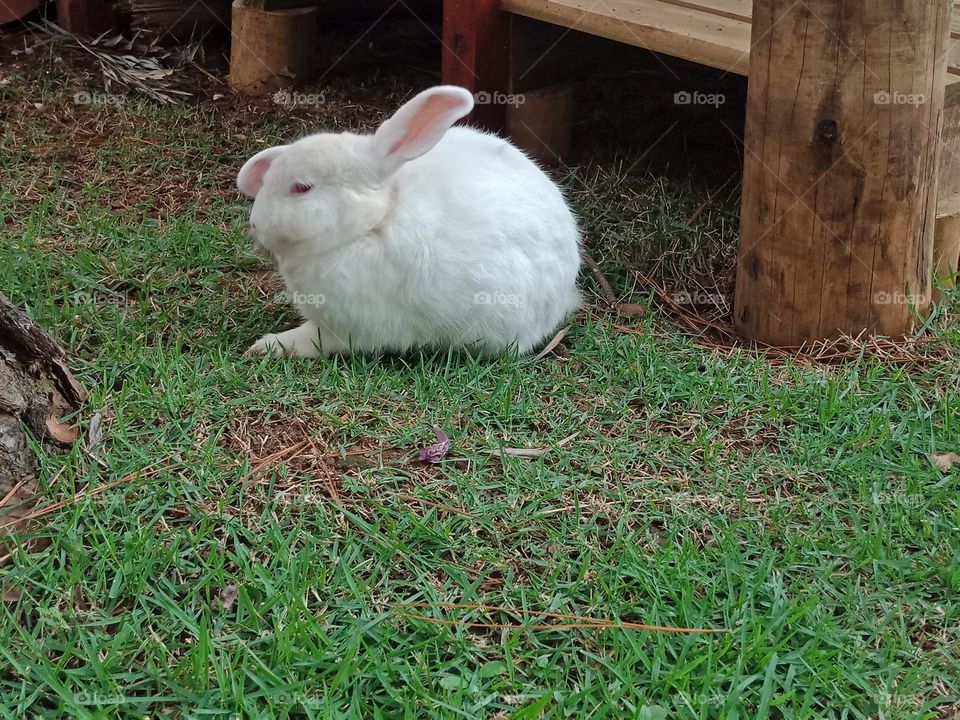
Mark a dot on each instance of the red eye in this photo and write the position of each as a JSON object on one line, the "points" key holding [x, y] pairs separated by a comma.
{"points": [[299, 188]]}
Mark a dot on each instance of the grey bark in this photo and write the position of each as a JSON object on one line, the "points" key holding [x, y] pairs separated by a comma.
{"points": [[36, 389]]}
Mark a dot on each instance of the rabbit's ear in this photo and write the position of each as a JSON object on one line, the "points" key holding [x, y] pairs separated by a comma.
{"points": [[419, 124], [250, 178]]}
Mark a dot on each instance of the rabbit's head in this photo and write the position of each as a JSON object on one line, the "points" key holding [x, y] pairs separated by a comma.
{"points": [[326, 190]]}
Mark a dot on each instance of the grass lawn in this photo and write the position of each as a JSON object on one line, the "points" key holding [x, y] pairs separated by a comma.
{"points": [[793, 505]]}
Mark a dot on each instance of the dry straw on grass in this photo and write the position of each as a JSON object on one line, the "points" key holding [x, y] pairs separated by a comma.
{"points": [[573, 622], [719, 335]]}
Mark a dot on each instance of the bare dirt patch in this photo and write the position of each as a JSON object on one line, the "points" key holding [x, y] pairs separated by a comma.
{"points": [[284, 456], [296, 465]]}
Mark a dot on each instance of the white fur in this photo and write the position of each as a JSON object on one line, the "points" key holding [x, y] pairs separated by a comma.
{"points": [[468, 244]]}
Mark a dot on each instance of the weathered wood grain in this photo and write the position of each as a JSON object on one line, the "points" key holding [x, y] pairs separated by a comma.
{"points": [[844, 108]]}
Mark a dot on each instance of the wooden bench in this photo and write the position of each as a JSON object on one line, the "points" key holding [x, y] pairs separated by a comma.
{"points": [[839, 186], [709, 32]]}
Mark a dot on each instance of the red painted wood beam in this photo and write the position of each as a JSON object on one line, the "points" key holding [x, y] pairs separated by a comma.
{"points": [[476, 56]]}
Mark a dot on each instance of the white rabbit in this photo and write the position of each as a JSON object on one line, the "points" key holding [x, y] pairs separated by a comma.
{"points": [[418, 236]]}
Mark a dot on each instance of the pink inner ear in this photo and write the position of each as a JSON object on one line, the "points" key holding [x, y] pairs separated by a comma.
{"points": [[251, 180], [427, 113]]}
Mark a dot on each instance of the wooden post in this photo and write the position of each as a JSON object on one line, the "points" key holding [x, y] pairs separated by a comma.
{"points": [[541, 122], [84, 18], [946, 233], [270, 50], [543, 58], [843, 112], [946, 251], [476, 56]]}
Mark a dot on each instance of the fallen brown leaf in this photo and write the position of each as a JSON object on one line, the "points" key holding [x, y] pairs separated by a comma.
{"points": [[553, 343], [632, 309], [946, 460], [61, 432]]}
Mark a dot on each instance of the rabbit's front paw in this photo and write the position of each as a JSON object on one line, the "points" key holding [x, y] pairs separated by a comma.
{"points": [[266, 345], [299, 342]]}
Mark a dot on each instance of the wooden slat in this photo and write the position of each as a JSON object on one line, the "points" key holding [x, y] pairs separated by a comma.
{"points": [[709, 32], [953, 56], [733, 9], [701, 37], [743, 10], [948, 184], [953, 51]]}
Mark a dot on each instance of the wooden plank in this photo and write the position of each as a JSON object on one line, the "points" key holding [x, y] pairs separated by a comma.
{"points": [[743, 10], [709, 32], [734, 9], [948, 175], [953, 57], [946, 249], [701, 37], [953, 53]]}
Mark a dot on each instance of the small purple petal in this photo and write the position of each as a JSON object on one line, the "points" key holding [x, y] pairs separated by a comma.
{"points": [[436, 452]]}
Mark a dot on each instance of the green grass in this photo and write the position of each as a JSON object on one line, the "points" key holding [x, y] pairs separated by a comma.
{"points": [[795, 506]]}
